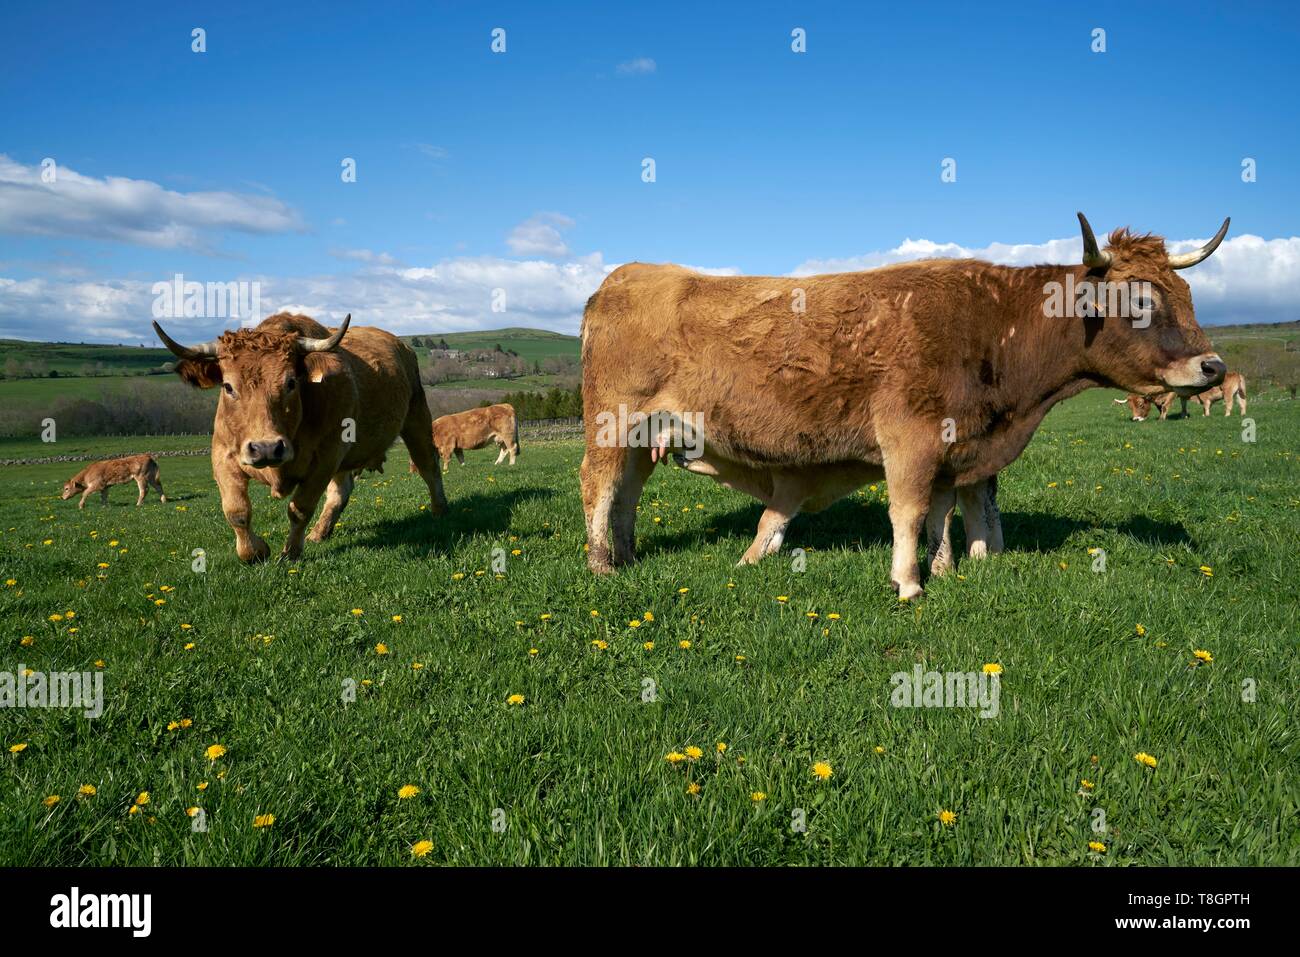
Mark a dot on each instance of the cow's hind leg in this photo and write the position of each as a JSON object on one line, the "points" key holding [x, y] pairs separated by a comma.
{"points": [[910, 473], [103, 495], [156, 482], [637, 466], [783, 505], [417, 433], [140, 484], [938, 530], [600, 475], [336, 499], [501, 454]]}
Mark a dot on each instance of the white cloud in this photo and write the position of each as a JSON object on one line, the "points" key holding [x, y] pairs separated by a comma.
{"points": [[539, 235], [431, 151], [129, 210], [449, 296], [366, 256], [637, 67], [1248, 279]]}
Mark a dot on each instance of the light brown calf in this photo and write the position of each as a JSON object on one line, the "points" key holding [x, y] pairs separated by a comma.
{"points": [[1234, 387], [98, 477], [476, 429]]}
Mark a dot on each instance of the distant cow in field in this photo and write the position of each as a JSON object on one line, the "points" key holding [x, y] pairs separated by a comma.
{"points": [[303, 412], [931, 374], [476, 429], [98, 477], [1234, 387]]}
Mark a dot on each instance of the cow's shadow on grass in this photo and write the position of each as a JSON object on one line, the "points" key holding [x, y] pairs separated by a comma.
{"points": [[421, 534], [855, 525]]}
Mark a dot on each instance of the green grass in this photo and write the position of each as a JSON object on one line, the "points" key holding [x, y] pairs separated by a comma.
{"points": [[529, 343], [579, 768], [69, 357]]}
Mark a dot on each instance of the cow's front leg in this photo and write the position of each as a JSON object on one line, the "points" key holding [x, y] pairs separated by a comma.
{"points": [[233, 486], [501, 456], [336, 499], [140, 484], [938, 530], [103, 495], [301, 508], [910, 474], [82, 503]]}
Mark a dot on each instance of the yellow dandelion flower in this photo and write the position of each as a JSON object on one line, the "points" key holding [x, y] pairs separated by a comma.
{"points": [[191, 811], [532, 652], [947, 818], [1140, 630], [634, 623], [834, 616], [86, 790], [1097, 847], [52, 800], [142, 799], [649, 616], [27, 641], [457, 576], [398, 619], [263, 820], [682, 591], [215, 751], [381, 649], [648, 645], [783, 598], [822, 769], [993, 668], [758, 797], [407, 791], [694, 753], [741, 658], [133, 810], [879, 750], [1207, 571], [683, 644], [600, 643], [674, 757], [1145, 759], [173, 725], [515, 699], [1202, 655], [722, 747], [421, 848], [357, 612], [201, 786], [594, 613], [545, 617], [693, 788]]}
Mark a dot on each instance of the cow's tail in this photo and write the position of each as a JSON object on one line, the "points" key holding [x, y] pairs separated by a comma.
{"points": [[1241, 386], [1120, 401], [514, 421], [151, 469]]}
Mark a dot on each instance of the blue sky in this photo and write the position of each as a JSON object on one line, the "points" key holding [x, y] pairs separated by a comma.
{"points": [[523, 169]]}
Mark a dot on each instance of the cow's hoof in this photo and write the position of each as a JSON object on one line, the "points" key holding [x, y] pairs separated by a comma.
{"points": [[908, 591], [979, 550], [318, 536], [259, 552], [163, 499]]}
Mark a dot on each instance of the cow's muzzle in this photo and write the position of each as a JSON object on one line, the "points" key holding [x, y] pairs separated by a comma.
{"points": [[267, 454], [1190, 376]]}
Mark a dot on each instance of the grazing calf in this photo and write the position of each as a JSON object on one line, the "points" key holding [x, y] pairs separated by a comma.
{"points": [[98, 477], [935, 373], [788, 491], [476, 429], [1140, 405], [303, 412]]}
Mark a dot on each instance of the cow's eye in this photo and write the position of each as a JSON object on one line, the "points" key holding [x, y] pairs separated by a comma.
{"points": [[290, 384], [230, 389]]}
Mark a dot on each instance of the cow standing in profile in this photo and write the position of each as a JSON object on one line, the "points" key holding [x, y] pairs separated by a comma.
{"points": [[472, 429], [932, 374], [1232, 388], [304, 413], [99, 476]]}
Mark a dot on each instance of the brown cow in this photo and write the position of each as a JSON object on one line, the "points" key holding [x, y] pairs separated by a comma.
{"points": [[1234, 386], [932, 374], [476, 429], [99, 476], [304, 413]]}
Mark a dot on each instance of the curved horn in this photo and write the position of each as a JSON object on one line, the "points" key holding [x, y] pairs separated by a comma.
{"points": [[1183, 260], [185, 352], [324, 345], [1093, 257]]}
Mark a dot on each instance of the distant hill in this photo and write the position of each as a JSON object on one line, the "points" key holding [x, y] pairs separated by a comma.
{"points": [[528, 343], [75, 359]]}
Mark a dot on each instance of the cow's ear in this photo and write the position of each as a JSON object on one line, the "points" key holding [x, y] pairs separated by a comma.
{"points": [[321, 366], [201, 373]]}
